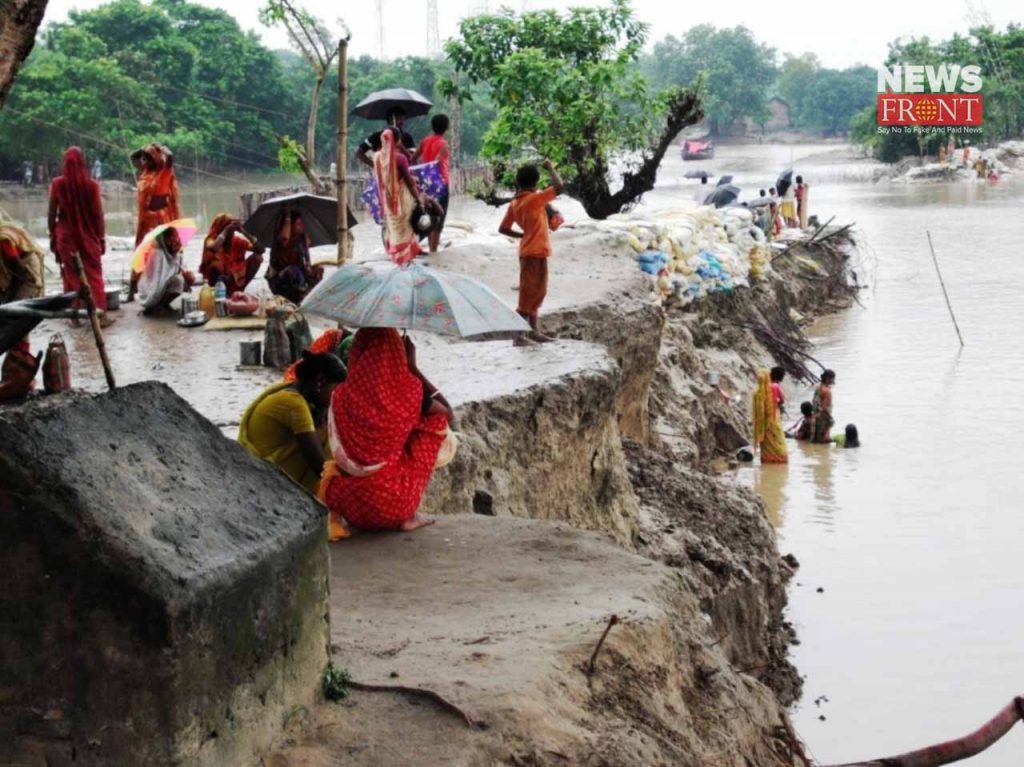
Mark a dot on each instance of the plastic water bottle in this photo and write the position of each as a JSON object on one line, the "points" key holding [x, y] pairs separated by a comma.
{"points": [[220, 292]]}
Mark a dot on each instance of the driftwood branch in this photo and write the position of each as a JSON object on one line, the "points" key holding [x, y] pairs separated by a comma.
{"points": [[959, 748], [419, 692]]}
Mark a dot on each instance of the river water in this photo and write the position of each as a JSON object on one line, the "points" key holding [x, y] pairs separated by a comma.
{"points": [[906, 601]]}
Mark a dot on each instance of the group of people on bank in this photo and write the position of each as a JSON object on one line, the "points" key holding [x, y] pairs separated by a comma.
{"points": [[814, 424]]}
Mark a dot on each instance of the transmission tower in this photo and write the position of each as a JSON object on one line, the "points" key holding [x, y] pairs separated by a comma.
{"points": [[433, 31]]}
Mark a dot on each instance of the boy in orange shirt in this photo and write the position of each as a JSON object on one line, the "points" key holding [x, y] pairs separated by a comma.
{"points": [[529, 212]]}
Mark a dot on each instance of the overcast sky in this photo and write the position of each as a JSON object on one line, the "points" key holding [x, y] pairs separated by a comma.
{"points": [[840, 33]]}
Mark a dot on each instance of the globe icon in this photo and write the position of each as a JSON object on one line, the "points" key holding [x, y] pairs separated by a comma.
{"points": [[926, 110]]}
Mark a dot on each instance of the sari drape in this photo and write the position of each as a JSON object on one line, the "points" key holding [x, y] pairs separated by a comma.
{"points": [[79, 227], [157, 193], [396, 201], [768, 433], [376, 417]]}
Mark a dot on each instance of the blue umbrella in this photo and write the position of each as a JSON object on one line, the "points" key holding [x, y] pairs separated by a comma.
{"points": [[381, 294]]}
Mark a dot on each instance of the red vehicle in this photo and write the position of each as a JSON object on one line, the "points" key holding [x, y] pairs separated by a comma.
{"points": [[698, 149]]}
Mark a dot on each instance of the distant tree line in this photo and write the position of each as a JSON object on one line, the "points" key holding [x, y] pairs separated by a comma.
{"points": [[1001, 58], [127, 73]]}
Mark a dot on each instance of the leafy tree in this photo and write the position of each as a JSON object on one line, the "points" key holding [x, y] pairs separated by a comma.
{"points": [[738, 71], [319, 47], [564, 86], [1001, 55]]}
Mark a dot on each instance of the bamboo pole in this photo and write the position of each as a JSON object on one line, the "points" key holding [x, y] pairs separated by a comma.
{"points": [[944, 293], [85, 291], [341, 182]]}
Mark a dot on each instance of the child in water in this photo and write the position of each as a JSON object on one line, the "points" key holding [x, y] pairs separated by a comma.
{"points": [[849, 438], [804, 428]]}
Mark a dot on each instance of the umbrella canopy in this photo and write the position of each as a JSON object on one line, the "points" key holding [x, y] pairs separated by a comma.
{"points": [[696, 174], [186, 228], [18, 318], [760, 202], [378, 104], [784, 181], [724, 180], [381, 294], [722, 196], [319, 214]]}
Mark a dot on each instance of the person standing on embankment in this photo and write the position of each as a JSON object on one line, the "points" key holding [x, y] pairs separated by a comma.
{"points": [[528, 210], [75, 221]]}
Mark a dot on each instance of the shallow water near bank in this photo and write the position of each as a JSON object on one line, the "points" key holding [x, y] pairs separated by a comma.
{"points": [[914, 538]]}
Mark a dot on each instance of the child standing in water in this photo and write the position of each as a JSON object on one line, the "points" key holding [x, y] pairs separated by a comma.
{"points": [[804, 428], [529, 212]]}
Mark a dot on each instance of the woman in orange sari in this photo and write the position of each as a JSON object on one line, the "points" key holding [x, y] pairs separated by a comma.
{"points": [[75, 221], [388, 418], [157, 189], [224, 256]]}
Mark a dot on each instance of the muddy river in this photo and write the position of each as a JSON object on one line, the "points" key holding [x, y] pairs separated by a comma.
{"points": [[907, 601]]}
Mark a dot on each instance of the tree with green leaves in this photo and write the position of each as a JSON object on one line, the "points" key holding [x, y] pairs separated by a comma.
{"points": [[1001, 57], [565, 86], [319, 47], [738, 71]]}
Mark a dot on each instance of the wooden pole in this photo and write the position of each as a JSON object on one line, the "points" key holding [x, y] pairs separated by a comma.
{"points": [[943, 284], [85, 291], [341, 182]]}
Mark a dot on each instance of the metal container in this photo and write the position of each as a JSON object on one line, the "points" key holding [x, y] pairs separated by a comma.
{"points": [[251, 352], [713, 378], [188, 304], [113, 298]]}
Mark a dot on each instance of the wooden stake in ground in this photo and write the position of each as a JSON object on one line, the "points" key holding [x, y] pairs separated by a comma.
{"points": [[85, 292], [341, 182], [943, 284]]}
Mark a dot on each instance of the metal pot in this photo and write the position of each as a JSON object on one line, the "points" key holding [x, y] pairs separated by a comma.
{"points": [[713, 377], [251, 352], [113, 298]]}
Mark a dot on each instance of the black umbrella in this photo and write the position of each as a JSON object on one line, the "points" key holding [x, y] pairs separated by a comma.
{"points": [[784, 181], [722, 196], [379, 104], [319, 214], [18, 318], [724, 180], [696, 174]]}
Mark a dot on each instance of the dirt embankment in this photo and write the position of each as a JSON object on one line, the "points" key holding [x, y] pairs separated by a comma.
{"points": [[499, 616]]}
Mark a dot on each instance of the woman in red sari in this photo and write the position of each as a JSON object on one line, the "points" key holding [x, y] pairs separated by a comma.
{"points": [[388, 418], [75, 221], [157, 189], [224, 256]]}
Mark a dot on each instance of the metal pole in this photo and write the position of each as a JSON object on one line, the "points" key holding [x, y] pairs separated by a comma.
{"points": [[943, 284], [341, 180]]}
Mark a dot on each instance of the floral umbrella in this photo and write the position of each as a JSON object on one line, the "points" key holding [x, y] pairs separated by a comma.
{"points": [[412, 297], [186, 229]]}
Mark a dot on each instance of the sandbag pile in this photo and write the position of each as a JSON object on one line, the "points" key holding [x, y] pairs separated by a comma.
{"points": [[704, 251]]}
